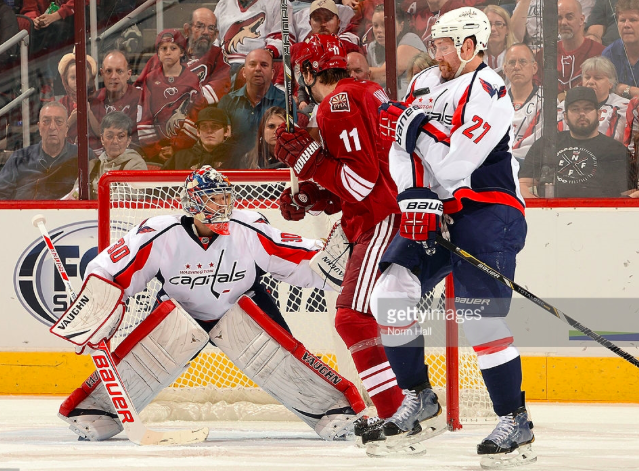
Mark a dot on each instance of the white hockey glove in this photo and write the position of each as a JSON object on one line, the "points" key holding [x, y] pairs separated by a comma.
{"points": [[403, 123], [421, 216], [330, 262], [94, 315]]}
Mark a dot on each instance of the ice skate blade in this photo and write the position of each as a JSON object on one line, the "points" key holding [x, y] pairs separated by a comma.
{"points": [[408, 444], [521, 456]]}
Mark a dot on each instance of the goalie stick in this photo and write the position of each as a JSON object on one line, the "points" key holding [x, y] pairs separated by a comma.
{"points": [[538, 301], [288, 92], [134, 428]]}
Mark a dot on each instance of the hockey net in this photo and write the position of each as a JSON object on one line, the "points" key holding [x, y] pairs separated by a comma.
{"points": [[213, 388]]}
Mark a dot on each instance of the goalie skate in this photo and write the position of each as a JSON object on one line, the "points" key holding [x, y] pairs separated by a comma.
{"points": [[418, 419], [509, 445]]}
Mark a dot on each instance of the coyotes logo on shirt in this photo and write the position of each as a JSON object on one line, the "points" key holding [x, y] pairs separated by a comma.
{"points": [[242, 30]]}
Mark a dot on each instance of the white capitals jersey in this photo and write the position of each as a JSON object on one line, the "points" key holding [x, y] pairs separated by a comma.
{"points": [[527, 123], [612, 117], [206, 281], [465, 152], [248, 24]]}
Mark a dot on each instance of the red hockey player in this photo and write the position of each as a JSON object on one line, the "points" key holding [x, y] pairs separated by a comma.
{"points": [[170, 100], [352, 163]]}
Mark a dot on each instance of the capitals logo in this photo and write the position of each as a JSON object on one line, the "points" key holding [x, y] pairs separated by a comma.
{"points": [[36, 280]]}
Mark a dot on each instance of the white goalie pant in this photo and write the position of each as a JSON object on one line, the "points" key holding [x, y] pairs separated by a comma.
{"points": [[151, 358], [283, 367]]}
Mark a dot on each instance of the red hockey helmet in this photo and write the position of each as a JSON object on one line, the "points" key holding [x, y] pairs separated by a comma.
{"points": [[321, 52]]}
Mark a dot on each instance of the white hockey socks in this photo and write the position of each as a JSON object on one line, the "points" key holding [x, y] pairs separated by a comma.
{"points": [[149, 359], [284, 368]]}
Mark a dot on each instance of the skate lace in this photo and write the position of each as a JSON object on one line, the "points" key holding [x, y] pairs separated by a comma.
{"points": [[409, 406], [504, 429]]}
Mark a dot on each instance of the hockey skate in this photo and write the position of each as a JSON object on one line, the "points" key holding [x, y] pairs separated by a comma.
{"points": [[509, 444], [367, 430], [417, 419]]}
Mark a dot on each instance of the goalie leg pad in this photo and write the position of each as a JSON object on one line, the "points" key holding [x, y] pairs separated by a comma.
{"points": [[285, 369], [151, 358]]}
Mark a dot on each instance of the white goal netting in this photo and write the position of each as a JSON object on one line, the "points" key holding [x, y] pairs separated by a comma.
{"points": [[213, 388]]}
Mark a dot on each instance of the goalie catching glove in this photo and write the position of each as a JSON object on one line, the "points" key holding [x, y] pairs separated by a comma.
{"points": [[401, 123], [421, 216], [93, 316], [298, 150], [310, 198]]}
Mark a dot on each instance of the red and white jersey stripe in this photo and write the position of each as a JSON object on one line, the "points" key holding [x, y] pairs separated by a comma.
{"points": [[206, 277]]}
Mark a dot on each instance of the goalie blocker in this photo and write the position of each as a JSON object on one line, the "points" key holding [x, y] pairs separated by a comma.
{"points": [[156, 353]]}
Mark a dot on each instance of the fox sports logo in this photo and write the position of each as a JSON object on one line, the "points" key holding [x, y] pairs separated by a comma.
{"points": [[36, 280]]}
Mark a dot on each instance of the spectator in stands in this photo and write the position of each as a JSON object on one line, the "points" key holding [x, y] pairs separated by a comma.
{"points": [[46, 170], [500, 39], [8, 29], [624, 52], [602, 24], [169, 102], [213, 129], [67, 71], [574, 47], [325, 17], [245, 26], [115, 131], [520, 68], [420, 62], [357, 66], [408, 46], [263, 154], [599, 74], [117, 95], [526, 22], [203, 57], [588, 164], [247, 105]]}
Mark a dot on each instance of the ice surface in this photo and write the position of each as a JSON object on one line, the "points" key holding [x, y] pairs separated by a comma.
{"points": [[569, 437]]}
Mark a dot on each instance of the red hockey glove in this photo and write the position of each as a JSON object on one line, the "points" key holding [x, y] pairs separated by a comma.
{"points": [[298, 150], [421, 216], [290, 211], [401, 123]]}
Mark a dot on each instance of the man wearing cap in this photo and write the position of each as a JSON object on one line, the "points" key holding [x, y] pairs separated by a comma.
{"points": [[325, 17], [588, 164], [169, 102], [117, 95], [213, 129]]}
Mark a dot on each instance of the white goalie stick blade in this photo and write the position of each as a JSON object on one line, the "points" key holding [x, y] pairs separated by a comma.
{"points": [[134, 428], [330, 262], [519, 457]]}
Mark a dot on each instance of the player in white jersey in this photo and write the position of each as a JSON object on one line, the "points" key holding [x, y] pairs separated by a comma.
{"points": [[206, 261], [453, 155]]}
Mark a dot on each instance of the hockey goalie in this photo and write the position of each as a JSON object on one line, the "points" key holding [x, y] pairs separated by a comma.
{"points": [[209, 262]]}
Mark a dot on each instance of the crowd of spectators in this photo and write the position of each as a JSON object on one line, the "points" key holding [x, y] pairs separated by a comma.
{"points": [[211, 92]]}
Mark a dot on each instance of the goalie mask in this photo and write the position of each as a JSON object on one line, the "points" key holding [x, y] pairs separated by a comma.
{"points": [[208, 197], [458, 25]]}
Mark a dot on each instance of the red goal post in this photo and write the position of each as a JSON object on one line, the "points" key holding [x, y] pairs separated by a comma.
{"points": [[126, 198]]}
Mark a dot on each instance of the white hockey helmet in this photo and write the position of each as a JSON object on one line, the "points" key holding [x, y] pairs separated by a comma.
{"points": [[208, 197], [460, 24]]}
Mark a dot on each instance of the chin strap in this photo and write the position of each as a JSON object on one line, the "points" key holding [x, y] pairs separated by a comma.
{"points": [[308, 87], [463, 62]]}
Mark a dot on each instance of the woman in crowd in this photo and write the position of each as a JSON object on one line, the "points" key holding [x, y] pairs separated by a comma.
{"points": [[67, 71], [418, 63], [500, 39], [599, 74], [408, 46]]}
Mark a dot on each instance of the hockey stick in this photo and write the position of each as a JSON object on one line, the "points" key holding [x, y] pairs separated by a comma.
{"points": [[288, 80], [539, 302], [134, 428]]}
